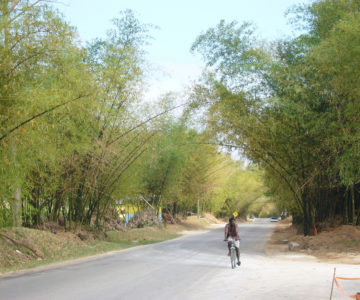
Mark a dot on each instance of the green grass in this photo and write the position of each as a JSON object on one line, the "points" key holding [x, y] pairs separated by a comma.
{"points": [[142, 235]]}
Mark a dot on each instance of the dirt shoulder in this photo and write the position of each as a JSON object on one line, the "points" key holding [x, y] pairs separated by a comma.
{"points": [[25, 248], [339, 245]]}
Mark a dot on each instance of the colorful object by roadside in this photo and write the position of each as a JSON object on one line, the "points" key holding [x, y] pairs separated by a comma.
{"points": [[340, 288]]}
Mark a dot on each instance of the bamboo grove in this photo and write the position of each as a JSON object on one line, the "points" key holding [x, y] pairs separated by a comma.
{"points": [[76, 138], [293, 107]]}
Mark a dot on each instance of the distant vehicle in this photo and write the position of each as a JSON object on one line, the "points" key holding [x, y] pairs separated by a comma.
{"points": [[274, 219]]}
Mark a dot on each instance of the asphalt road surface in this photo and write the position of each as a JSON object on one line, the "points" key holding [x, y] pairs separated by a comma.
{"points": [[195, 266]]}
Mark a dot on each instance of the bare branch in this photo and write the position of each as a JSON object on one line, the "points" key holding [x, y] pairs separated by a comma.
{"points": [[13, 5], [146, 121]]}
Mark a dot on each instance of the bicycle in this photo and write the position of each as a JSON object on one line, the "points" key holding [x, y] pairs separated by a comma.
{"points": [[233, 252]]}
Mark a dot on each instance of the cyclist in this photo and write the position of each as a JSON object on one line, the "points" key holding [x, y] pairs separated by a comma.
{"points": [[232, 230]]}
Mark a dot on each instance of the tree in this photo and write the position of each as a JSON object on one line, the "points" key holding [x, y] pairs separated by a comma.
{"points": [[297, 119], [32, 84]]}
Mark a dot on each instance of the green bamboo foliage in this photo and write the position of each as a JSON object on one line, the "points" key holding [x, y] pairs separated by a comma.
{"points": [[298, 116], [75, 138]]}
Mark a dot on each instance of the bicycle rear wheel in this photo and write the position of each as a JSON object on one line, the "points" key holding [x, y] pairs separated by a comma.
{"points": [[233, 257]]}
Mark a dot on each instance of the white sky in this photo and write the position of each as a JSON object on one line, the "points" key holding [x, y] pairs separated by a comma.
{"points": [[180, 22]]}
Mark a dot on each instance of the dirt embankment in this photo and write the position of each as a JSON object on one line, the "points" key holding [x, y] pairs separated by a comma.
{"points": [[26, 248], [338, 245]]}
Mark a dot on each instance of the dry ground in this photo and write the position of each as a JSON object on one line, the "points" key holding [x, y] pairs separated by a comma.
{"points": [[339, 245]]}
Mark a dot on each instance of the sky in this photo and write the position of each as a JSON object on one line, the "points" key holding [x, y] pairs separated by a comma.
{"points": [[179, 22]]}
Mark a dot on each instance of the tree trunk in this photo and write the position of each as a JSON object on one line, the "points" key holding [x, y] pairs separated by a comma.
{"points": [[353, 204], [306, 215], [16, 208], [345, 208], [16, 203], [174, 209]]}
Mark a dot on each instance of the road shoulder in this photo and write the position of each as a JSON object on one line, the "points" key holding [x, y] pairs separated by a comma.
{"points": [[340, 245]]}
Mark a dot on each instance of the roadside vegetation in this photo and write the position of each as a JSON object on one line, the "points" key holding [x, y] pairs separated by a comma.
{"points": [[292, 107], [24, 248], [78, 140]]}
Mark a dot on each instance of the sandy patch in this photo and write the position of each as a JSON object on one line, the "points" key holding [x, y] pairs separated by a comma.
{"points": [[339, 245]]}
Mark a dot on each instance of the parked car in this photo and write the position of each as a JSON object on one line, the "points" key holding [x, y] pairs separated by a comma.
{"points": [[274, 219], [251, 218]]}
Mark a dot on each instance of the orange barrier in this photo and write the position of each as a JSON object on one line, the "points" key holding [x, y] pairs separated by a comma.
{"points": [[340, 288]]}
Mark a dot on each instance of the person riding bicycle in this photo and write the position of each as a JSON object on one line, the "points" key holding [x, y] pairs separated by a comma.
{"points": [[232, 230]]}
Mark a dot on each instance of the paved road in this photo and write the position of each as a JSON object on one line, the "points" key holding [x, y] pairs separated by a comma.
{"points": [[194, 266]]}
